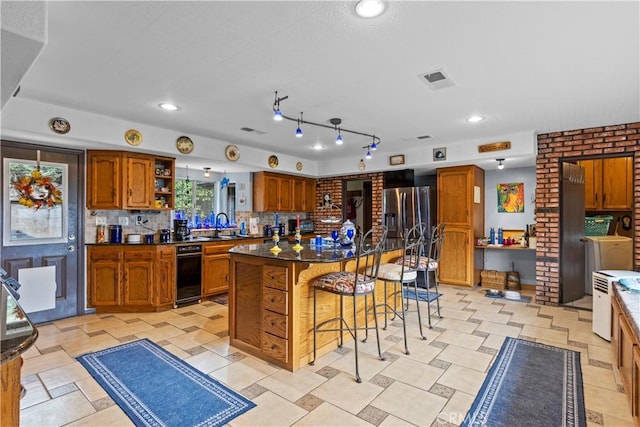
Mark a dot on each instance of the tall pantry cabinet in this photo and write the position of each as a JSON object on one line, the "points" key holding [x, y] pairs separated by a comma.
{"points": [[461, 208]]}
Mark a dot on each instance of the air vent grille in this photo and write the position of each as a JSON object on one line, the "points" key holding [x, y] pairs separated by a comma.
{"points": [[251, 130], [437, 79], [424, 137], [600, 283]]}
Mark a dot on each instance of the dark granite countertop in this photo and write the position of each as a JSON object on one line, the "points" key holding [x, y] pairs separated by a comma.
{"points": [[17, 331], [630, 305], [308, 253], [181, 242]]}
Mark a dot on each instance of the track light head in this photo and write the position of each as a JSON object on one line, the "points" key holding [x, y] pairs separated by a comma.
{"points": [[207, 173], [339, 140], [368, 155], [500, 164]]}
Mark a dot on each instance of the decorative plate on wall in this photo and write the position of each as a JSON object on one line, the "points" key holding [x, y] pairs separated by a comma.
{"points": [[232, 153], [184, 144], [273, 161], [133, 137], [299, 166], [59, 125]]}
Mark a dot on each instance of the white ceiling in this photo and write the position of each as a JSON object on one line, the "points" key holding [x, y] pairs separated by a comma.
{"points": [[525, 66]]}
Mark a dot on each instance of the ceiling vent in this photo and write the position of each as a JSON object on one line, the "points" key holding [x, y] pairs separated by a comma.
{"points": [[251, 130], [437, 79], [424, 137]]}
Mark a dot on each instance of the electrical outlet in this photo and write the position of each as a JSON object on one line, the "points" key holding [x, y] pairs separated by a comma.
{"points": [[101, 220], [138, 219], [123, 220]]}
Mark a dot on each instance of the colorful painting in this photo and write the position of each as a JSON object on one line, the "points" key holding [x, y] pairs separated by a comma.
{"points": [[511, 197]]}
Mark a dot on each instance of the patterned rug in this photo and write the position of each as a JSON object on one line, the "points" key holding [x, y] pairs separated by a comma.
{"points": [[530, 384], [422, 295], [155, 388], [220, 298]]}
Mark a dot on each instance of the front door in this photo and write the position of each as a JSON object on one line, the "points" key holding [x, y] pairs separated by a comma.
{"points": [[42, 226]]}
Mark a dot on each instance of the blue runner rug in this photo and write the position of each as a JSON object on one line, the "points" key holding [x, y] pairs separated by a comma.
{"points": [[530, 384], [422, 295], [155, 388]]}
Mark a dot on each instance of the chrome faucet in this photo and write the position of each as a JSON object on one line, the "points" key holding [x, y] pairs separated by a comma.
{"points": [[215, 226]]}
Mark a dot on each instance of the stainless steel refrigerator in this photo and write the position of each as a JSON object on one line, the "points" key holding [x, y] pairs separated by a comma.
{"points": [[403, 208], [572, 274]]}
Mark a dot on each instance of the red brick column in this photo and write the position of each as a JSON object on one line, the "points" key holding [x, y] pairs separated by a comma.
{"points": [[554, 148]]}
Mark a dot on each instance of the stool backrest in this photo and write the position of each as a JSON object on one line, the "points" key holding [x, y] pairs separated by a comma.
{"points": [[433, 244], [369, 252], [413, 246]]}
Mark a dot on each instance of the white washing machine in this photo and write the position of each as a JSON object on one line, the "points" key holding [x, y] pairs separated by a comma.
{"points": [[606, 253]]}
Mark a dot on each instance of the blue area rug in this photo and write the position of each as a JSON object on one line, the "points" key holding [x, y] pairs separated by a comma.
{"points": [[155, 388], [422, 295], [530, 384]]}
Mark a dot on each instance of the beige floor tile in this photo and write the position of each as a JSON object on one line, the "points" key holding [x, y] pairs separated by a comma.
{"points": [[607, 402], [613, 421], [485, 307], [58, 338], [182, 322], [412, 372], [192, 339], [90, 344], [292, 385], [344, 392], [74, 321], [328, 415], [599, 377], [56, 412], [588, 337], [459, 325], [547, 334], [129, 329], [243, 373], [45, 362], [603, 354], [91, 389], [102, 324], [491, 316], [471, 342], [111, 416], [456, 409], [57, 377], [176, 351], [207, 361], [271, 410], [464, 379], [370, 365], [467, 358], [409, 403], [494, 341], [161, 333], [454, 313], [215, 326], [36, 393], [420, 351], [499, 329], [532, 320], [31, 352], [392, 421]]}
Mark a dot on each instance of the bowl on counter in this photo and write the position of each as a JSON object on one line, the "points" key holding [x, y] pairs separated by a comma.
{"points": [[134, 238]]}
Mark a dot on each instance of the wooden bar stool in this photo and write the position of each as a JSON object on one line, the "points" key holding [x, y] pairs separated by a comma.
{"points": [[352, 284], [402, 274]]}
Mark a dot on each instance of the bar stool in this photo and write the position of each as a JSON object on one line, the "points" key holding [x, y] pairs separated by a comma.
{"points": [[358, 283], [427, 265], [402, 274]]}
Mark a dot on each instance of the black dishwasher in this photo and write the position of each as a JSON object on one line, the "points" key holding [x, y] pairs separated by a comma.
{"points": [[188, 274]]}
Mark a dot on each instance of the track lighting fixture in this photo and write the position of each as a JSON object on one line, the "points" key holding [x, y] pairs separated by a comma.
{"points": [[299, 131], [368, 155], [335, 122], [500, 164], [206, 172]]}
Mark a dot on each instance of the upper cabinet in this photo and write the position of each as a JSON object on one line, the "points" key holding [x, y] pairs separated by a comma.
{"points": [[126, 180], [608, 183], [274, 192]]}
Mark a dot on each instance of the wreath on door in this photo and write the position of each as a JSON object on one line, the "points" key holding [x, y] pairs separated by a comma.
{"points": [[36, 190]]}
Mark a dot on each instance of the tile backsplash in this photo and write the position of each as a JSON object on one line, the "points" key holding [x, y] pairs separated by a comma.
{"points": [[155, 220]]}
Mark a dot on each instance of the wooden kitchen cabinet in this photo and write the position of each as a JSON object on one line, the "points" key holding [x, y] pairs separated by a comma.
{"points": [[461, 209], [608, 183], [626, 349], [282, 193], [123, 278], [215, 268], [127, 180]]}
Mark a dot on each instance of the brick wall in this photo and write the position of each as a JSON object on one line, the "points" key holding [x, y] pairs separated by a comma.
{"points": [[334, 186], [568, 145]]}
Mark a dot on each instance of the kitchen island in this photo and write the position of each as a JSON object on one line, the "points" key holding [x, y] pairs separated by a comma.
{"points": [[271, 299]]}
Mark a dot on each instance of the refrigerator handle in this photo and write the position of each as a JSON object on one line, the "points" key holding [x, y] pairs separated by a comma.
{"points": [[404, 213]]}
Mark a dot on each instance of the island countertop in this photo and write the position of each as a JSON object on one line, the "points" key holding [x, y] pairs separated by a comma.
{"points": [[18, 333]]}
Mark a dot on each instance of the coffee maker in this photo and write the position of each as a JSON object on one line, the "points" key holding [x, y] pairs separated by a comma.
{"points": [[180, 229]]}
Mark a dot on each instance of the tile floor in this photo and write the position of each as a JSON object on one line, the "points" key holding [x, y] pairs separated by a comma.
{"points": [[433, 386]]}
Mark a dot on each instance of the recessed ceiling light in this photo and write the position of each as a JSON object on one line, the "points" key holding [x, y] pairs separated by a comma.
{"points": [[369, 8], [317, 146], [168, 107], [475, 119]]}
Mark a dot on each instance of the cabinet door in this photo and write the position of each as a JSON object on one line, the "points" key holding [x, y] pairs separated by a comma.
{"points": [[455, 192], [455, 261], [615, 330], [617, 174], [592, 183], [635, 392], [104, 277], [139, 182], [625, 354], [215, 278], [165, 280], [104, 180], [138, 277], [286, 194], [271, 196], [299, 195]]}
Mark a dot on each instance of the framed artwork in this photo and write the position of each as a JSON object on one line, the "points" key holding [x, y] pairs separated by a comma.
{"points": [[439, 154], [511, 197], [33, 198], [398, 159]]}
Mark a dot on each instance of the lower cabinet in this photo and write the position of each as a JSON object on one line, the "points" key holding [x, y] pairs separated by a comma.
{"points": [[626, 348], [122, 278], [215, 268]]}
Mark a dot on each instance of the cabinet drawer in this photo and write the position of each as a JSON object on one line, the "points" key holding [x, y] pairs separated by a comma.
{"points": [[274, 323], [138, 254], [275, 347], [274, 300], [109, 254], [275, 277], [215, 248]]}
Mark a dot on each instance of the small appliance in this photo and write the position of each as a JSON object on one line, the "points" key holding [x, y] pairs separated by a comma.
{"points": [[306, 226], [165, 235], [602, 283], [180, 229]]}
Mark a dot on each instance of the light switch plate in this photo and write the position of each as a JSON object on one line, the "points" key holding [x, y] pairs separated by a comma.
{"points": [[101, 220], [123, 220]]}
